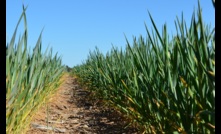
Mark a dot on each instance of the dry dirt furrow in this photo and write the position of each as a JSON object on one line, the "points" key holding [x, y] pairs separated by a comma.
{"points": [[70, 111]]}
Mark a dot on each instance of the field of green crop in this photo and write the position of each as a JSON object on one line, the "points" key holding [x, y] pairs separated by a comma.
{"points": [[30, 78], [161, 85]]}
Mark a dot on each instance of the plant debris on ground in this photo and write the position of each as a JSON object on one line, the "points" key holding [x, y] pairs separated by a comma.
{"points": [[71, 111]]}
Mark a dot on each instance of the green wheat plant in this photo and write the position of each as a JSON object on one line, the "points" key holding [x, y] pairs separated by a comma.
{"points": [[161, 85], [30, 78]]}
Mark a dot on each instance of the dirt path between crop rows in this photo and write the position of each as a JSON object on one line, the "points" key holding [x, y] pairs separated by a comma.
{"points": [[70, 111]]}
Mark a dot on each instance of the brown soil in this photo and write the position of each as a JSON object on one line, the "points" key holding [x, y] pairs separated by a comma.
{"points": [[72, 111]]}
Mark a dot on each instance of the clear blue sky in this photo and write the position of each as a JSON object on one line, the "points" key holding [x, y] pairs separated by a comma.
{"points": [[73, 27]]}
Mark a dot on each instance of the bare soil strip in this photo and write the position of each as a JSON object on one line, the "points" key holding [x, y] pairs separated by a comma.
{"points": [[70, 111]]}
